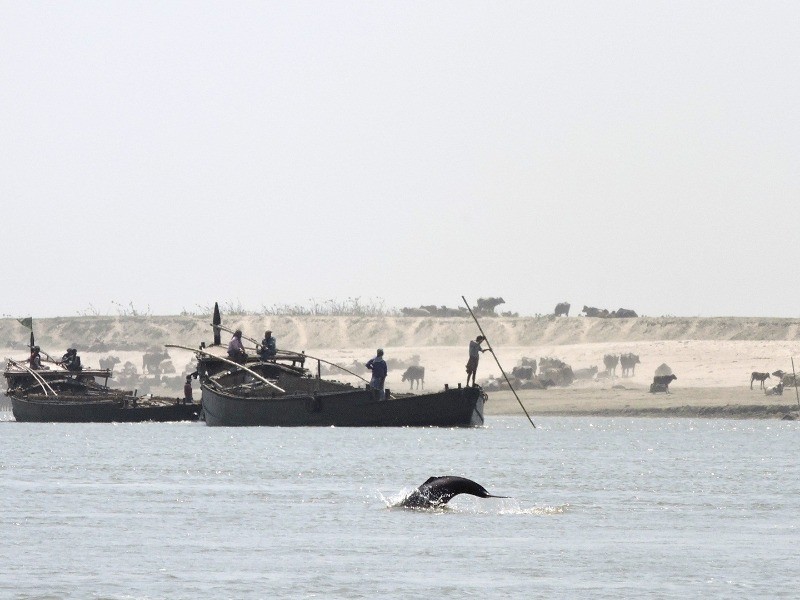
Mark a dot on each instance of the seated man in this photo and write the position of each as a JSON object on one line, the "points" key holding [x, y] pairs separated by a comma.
{"points": [[35, 360], [71, 361], [236, 349], [268, 347]]}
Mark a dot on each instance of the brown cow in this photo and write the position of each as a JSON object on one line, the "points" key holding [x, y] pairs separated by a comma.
{"points": [[414, 373], [562, 308], [628, 363], [760, 377], [611, 361], [487, 305], [661, 383]]}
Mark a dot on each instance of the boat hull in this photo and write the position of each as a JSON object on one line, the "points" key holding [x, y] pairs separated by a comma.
{"points": [[29, 409], [455, 407]]}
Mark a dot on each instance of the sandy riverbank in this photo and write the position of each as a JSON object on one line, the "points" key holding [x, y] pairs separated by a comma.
{"points": [[716, 402], [712, 357]]}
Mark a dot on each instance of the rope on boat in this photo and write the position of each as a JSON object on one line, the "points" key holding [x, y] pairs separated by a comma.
{"points": [[38, 378], [230, 362], [249, 339]]}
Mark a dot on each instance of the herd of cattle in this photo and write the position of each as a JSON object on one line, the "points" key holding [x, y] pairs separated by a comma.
{"points": [[486, 307], [555, 372], [157, 371], [784, 379], [562, 310]]}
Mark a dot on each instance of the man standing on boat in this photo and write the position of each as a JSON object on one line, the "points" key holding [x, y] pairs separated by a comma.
{"points": [[187, 391], [474, 354], [379, 371], [268, 346], [236, 349]]}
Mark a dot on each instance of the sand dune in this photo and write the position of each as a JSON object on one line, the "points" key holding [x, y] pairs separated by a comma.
{"points": [[337, 332]]}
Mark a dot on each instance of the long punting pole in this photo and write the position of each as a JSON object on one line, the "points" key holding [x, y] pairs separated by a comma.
{"points": [[38, 378], [230, 362], [488, 343], [796, 393], [249, 339]]}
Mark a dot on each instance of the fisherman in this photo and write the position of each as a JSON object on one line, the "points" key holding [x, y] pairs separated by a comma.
{"points": [[187, 391], [474, 354], [71, 361], [236, 349], [268, 347], [35, 360], [379, 371]]}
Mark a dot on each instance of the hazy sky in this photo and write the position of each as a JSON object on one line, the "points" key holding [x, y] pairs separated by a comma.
{"points": [[617, 154]]}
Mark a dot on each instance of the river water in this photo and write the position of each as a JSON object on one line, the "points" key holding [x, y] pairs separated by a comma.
{"points": [[598, 508]]}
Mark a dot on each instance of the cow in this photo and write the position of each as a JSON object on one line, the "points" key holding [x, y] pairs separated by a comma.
{"points": [[452, 312], [760, 377], [523, 372], [624, 313], [528, 362], [487, 305], [151, 362], [560, 376], [415, 373], [109, 362], [774, 390], [661, 383], [628, 363], [415, 312], [611, 361], [784, 377], [591, 311], [547, 362], [562, 308], [589, 373]]}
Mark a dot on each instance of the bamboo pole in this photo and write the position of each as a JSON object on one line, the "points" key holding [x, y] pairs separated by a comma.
{"points": [[38, 378], [327, 362], [508, 381], [230, 362]]}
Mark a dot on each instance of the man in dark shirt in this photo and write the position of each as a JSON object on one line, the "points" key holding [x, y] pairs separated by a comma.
{"points": [[474, 354], [71, 361], [379, 371], [187, 391], [268, 346]]}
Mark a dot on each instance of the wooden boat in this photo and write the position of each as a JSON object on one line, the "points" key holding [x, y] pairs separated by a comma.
{"points": [[283, 392], [57, 395], [324, 403]]}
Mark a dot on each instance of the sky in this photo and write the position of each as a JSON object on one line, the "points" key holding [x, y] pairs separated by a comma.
{"points": [[160, 156]]}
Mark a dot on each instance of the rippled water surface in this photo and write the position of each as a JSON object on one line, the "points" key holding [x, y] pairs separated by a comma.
{"points": [[599, 508]]}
